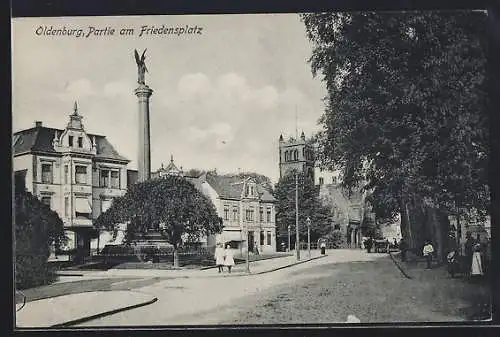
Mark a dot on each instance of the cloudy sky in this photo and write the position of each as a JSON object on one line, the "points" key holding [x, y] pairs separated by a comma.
{"points": [[221, 98]]}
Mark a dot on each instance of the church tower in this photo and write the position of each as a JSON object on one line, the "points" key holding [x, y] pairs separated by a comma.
{"points": [[296, 154]]}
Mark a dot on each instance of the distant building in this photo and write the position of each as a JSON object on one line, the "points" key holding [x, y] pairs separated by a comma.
{"points": [[171, 169], [74, 172], [348, 211], [296, 154], [243, 204]]}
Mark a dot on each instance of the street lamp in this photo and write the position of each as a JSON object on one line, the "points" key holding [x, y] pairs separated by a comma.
{"points": [[289, 238], [247, 257], [297, 240], [308, 221]]}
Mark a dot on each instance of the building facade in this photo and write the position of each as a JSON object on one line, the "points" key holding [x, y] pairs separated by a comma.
{"points": [[296, 154], [247, 210], [349, 209], [74, 172]]}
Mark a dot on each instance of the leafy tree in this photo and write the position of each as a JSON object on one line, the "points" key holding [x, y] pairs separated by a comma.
{"points": [[309, 206], [36, 229], [259, 178], [170, 205], [406, 107], [194, 172]]}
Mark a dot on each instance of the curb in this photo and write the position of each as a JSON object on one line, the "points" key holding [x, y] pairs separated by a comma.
{"points": [[399, 266], [69, 274], [103, 314], [278, 268], [267, 258], [290, 265]]}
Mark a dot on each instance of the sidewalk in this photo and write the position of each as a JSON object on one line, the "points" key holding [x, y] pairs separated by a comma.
{"points": [[471, 297], [66, 310], [76, 308], [256, 267]]}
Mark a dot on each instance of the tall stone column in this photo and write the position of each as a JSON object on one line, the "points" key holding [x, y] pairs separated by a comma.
{"points": [[143, 92]]}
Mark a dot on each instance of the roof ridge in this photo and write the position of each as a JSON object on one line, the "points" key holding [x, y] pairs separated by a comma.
{"points": [[35, 128]]}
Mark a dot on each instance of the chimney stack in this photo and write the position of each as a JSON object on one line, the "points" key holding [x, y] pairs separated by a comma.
{"points": [[38, 124]]}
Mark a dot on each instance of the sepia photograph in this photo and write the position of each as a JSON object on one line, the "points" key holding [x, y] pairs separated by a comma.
{"points": [[251, 169]]}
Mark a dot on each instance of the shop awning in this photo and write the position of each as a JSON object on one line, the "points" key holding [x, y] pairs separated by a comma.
{"points": [[82, 205], [105, 204], [232, 236]]}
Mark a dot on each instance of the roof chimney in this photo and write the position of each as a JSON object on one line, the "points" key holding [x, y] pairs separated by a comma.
{"points": [[38, 124]]}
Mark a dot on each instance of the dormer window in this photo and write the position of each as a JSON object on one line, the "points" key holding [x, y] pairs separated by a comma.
{"points": [[70, 140], [80, 141]]}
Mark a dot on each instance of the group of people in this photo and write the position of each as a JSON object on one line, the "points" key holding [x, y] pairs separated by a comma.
{"points": [[474, 254], [224, 257]]}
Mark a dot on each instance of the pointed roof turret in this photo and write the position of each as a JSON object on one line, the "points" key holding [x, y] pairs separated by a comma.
{"points": [[75, 109], [303, 136], [75, 120], [281, 137]]}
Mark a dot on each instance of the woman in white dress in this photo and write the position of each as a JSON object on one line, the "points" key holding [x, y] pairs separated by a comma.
{"points": [[219, 257], [477, 266], [228, 260]]}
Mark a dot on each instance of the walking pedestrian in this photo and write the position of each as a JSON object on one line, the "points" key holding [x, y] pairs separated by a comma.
{"points": [[369, 244], [323, 247], [228, 258], [469, 250], [403, 248], [428, 251], [219, 257]]}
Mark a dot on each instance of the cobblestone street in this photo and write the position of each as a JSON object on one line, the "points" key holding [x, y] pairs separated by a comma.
{"points": [[326, 290]]}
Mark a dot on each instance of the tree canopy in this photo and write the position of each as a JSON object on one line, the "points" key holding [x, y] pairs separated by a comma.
{"points": [[259, 179], [170, 205], [309, 206], [406, 104]]}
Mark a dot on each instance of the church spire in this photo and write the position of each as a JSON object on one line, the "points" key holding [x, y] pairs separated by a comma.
{"points": [[172, 158], [75, 109]]}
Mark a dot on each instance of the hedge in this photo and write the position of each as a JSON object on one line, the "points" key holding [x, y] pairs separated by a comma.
{"points": [[36, 227]]}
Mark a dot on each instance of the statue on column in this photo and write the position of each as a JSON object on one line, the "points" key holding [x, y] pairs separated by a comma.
{"points": [[141, 66]]}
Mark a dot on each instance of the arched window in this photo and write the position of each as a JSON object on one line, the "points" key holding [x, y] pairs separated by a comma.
{"points": [[296, 155], [286, 155], [303, 152]]}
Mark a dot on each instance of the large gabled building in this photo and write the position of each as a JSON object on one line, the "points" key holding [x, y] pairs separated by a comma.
{"points": [[74, 172], [247, 209]]}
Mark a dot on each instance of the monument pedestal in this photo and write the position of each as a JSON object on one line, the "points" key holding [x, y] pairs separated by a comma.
{"points": [[151, 239]]}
